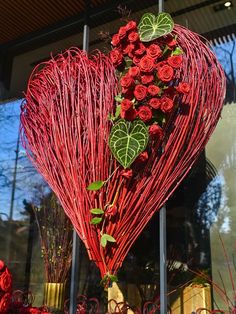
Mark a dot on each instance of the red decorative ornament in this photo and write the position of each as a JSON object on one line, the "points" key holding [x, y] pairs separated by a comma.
{"points": [[65, 130]]}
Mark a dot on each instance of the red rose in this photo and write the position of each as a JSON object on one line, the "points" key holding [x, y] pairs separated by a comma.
{"points": [[133, 37], [145, 113], [167, 104], [155, 103], [128, 49], [126, 104], [126, 81], [142, 157], [172, 43], [140, 50], [122, 32], [6, 281], [116, 57], [146, 64], [154, 51], [175, 61], [134, 71], [165, 73], [129, 115], [131, 25], [160, 65], [155, 131], [1, 265], [146, 79], [153, 90], [183, 88], [140, 92], [5, 302], [111, 210], [136, 60], [127, 173], [115, 41]]}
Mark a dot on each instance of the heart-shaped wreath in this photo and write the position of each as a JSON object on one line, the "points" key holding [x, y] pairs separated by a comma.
{"points": [[113, 164]]}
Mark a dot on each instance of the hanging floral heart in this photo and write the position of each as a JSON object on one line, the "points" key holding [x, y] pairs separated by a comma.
{"points": [[113, 165]]}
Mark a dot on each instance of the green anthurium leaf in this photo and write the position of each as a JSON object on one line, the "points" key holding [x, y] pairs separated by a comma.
{"points": [[96, 185], [152, 27], [178, 51], [96, 220], [96, 211], [127, 140]]}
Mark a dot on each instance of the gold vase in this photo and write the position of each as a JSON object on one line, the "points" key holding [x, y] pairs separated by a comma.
{"points": [[54, 295]]}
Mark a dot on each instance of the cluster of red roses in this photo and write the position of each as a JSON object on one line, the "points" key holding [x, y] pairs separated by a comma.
{"points": [[7, 302], [5, 288], [147, 76]]}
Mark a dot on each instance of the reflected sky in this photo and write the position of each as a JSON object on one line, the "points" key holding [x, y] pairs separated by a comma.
{"points": [[12, 161]]}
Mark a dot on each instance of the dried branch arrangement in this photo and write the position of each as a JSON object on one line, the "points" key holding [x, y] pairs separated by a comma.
{"points": [[81, 140], [55, 230]]}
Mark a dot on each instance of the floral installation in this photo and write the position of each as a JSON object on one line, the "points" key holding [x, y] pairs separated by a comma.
{"points": [[114, 163]]}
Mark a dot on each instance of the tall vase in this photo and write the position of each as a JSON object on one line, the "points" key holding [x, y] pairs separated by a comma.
{"points": [[54, 295]]}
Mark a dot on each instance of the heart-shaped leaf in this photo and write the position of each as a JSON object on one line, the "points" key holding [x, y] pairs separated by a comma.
{"points": [[152, 27], [127, 140]]}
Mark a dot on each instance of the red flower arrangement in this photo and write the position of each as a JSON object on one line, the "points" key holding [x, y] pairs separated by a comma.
{"points": [[150, 89], [5, 288]]}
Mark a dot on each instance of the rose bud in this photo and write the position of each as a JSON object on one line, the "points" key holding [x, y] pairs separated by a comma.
{"points": [[165, 73], [146, 79], [155, 131], [122, 32], [126, 104], [142, 157], [183, 88], [155, 103], [134, 71], [145, 113], [146, 64], [140, 92], [128, 49], [129, 115], [126, 81], [116, 57], [133, 37], [167, 104], [127, 173], [175, 61], [111, 210], [154, 51], [131, 25], [140, 50], [115, 41], [153, 90]]}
